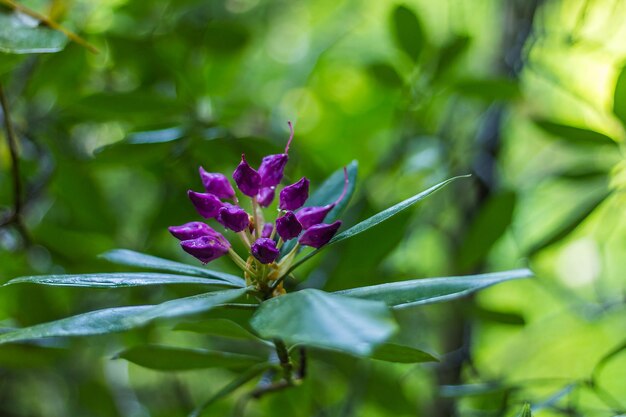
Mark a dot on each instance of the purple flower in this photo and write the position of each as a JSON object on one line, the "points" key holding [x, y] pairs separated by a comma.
{"points": [[310, 216], [273, 166], [216, 184], [288, 226], [266, 196], [319, 235], [268, 228], [247, 179], [206, 248], [264, 250], [191, 230], [233, 217], [208, 205], [293, 196]]}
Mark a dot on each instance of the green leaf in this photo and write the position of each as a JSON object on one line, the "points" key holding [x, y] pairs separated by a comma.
{"points": [[390, 352], [576, 217], [432, 290], [486, 228], [385, 74], [469, 390], [378, 218], [232, 386], [320, 319], [119, 319], [408, 32], [450, 54], [574, 135], [526, 411], [167, 358], [328, 193], [21, 34], [116, 280], [390, 212], [141, 260], [619, 97], [169, 134], [28, 356], [490, 89], [217, 327]]}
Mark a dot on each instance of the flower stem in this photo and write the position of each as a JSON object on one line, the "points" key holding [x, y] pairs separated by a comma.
{"points": [[240, 262], [255, 215]]}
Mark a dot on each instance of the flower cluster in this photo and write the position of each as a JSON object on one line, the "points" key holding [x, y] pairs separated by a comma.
{"points": [[263, 239]]}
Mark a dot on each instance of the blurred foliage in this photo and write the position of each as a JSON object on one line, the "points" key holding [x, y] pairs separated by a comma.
{"points": [[529, 96]]}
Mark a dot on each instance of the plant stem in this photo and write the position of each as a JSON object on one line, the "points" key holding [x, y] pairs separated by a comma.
{"points": [[285, 361], [240, 262], [255, 215], [16, 216]]}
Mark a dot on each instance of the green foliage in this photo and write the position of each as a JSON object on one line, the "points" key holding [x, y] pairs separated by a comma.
{"points": [[165, 358], [408, 32], [119, 319], [425, 291], [21, 34], [315, 318]]}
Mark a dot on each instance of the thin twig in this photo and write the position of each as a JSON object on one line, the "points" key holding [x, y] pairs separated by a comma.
{"points": [[51, 23], [16, 217]]}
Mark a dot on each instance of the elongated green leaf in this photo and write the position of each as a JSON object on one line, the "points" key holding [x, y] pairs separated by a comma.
{"points": [[449, 55], [408, 32], [116, 280], [573, 134], [328, 193], [526, 411], [469, 390], [486, 228], [391, 211], [578, 215], [167, 358], [378, 218], [619, 97], [391, 352], [432, 290], [385, 74], [217, 327], [141, 260], [28, 356], [119, 319], [320, 319], [21, 34], [232, 386]]}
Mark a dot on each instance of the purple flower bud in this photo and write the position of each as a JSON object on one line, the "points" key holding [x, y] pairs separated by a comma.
{"points": [[310, 216], [288, 226], [247, 179], [266, 196], [217, 184], [206, 248], [264, 250], [268, 228], [273, 166], [233, 217], [191, 230], [319, 234], [293, 196], [208, 205]]}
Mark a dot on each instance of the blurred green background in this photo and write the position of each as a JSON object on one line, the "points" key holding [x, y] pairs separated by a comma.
{"points": [[529, 96]]}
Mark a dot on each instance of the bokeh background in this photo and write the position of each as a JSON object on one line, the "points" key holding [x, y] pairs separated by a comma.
{"points": [[528, 96]]}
